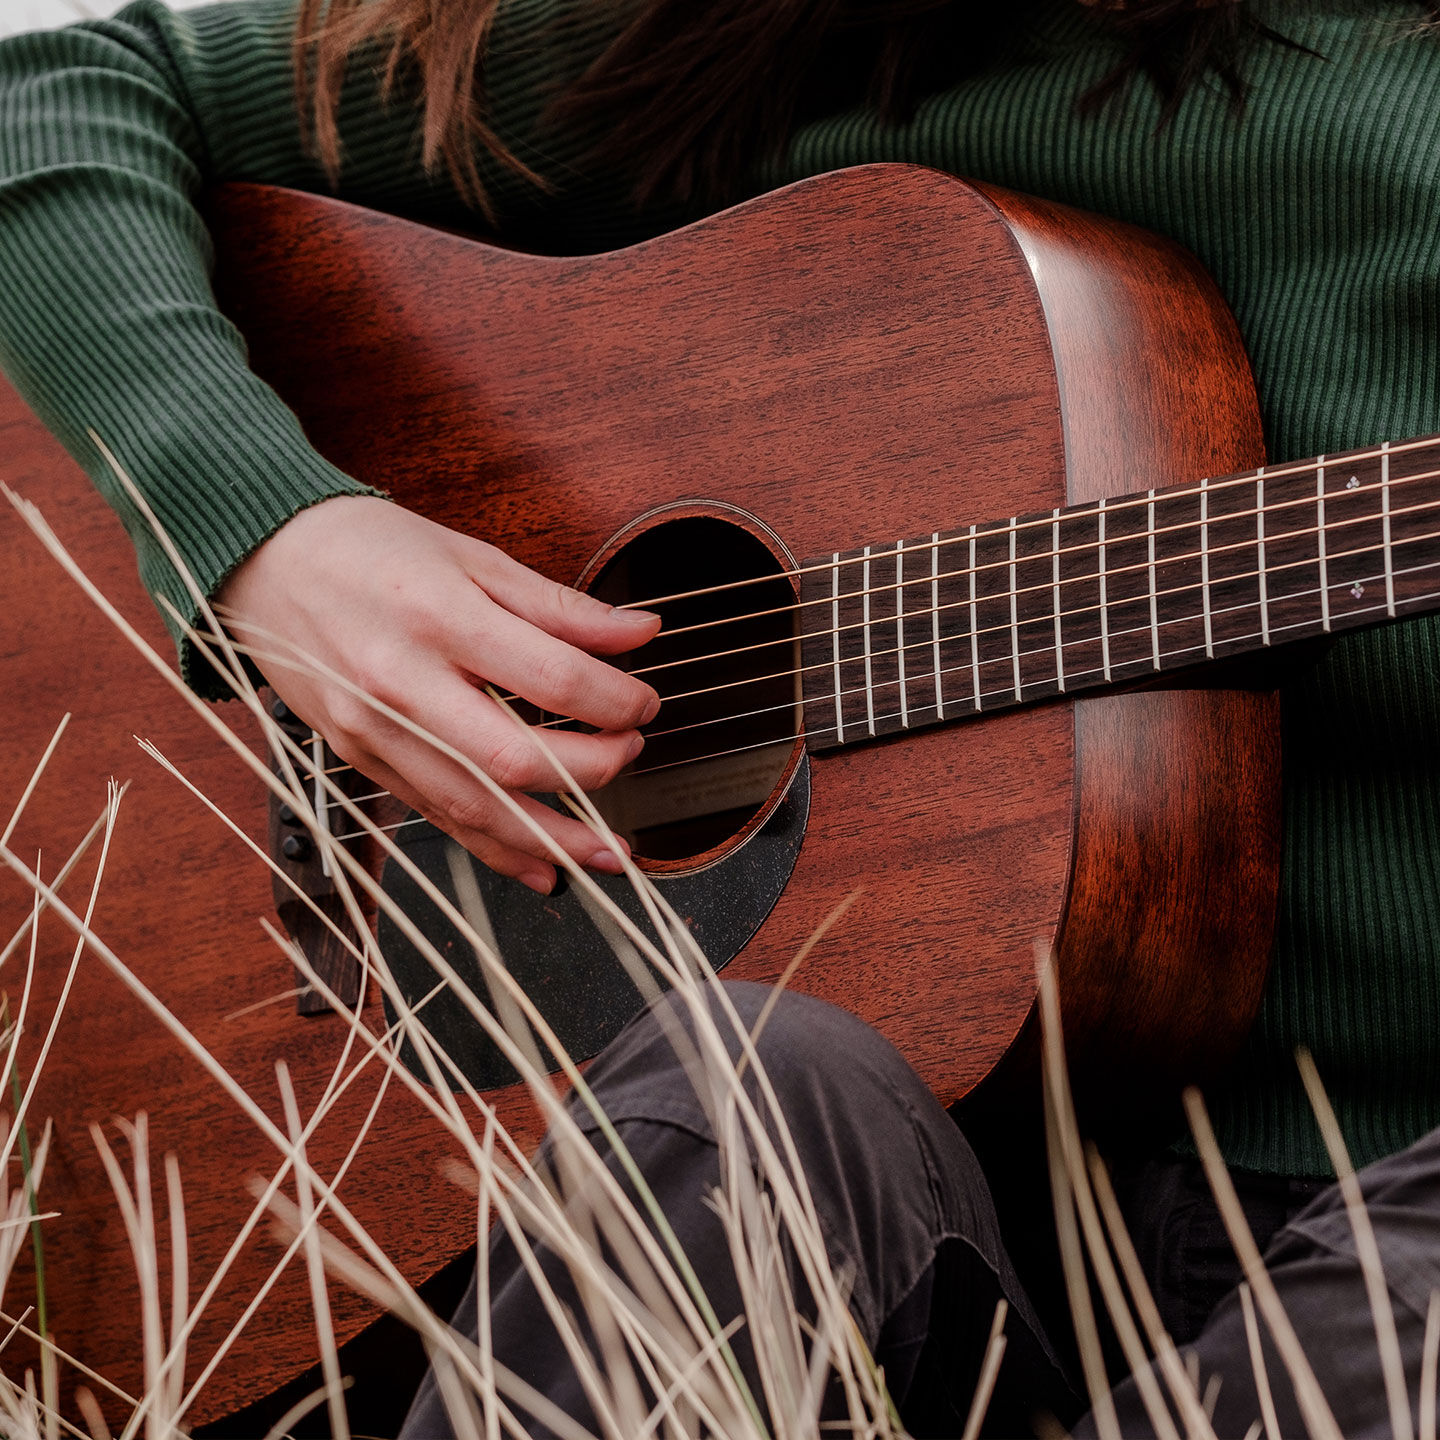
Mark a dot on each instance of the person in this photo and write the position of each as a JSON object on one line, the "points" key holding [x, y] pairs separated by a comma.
{"points": [[1292, 146]]}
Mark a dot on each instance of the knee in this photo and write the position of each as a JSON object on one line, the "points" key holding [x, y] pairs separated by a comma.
{"points": [[807, 1047], [1401, 1196], [829, 1071], [884, 1165], [795, 1033], [1403, 1184]]}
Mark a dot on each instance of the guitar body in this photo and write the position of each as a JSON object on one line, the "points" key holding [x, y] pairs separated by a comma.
{"points": [[960, 355], [885, 352]]}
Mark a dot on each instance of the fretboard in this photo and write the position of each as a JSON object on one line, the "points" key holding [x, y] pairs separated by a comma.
{"points": [[905, 633]]}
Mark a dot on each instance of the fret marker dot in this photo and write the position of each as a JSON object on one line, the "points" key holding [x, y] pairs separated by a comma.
{"points": [[1357, 590], [1352, 483]]}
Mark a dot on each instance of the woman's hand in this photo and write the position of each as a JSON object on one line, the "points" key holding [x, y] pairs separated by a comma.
{"points": [[421, 618]]}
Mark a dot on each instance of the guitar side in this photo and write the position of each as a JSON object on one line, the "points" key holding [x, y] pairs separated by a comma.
{"points": [[1167, 933]]}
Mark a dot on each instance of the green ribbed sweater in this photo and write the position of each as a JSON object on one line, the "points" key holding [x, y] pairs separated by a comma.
{"points": [[1315, 208]]}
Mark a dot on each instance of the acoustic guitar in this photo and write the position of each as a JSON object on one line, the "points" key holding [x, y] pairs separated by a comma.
{"points": [[864, 440]]}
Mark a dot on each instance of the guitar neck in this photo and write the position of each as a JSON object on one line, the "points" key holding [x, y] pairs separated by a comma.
{"points": [[902, 634]]}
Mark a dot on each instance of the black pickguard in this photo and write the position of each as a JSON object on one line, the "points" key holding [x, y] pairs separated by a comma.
{"points": [[556, 952]]}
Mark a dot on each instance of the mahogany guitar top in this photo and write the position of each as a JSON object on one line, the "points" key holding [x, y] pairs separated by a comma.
{"points": [[885, 352]]}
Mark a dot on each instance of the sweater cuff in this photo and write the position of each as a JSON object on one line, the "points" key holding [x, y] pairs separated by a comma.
{"points": [[217, 502]]}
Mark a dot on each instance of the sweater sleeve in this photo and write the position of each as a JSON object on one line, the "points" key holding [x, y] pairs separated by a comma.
{"points": [[108, 132]]}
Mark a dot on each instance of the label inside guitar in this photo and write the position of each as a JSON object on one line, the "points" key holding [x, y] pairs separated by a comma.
{"points": [[647, 802]]}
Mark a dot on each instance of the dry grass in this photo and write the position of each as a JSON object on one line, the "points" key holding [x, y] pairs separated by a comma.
{"points": [[653, 1356]]}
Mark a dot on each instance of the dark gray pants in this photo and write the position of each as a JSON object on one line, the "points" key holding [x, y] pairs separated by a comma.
{"points": [[908, 1211]]}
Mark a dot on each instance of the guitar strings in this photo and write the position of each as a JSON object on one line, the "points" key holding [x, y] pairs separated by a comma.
{"points": [[1004, 564], [1006, 690], [1161, 497], [929, 612], [1085, 547], [1118, 506], [1049, 618], [894, 714]]}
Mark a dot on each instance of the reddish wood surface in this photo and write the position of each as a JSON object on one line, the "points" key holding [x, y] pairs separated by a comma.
{"points": [[819, 358], [1177, 836], [738, 362], [181, 904]]}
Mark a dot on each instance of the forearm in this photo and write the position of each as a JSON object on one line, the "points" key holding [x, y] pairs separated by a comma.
{"points": [[108, 135]]}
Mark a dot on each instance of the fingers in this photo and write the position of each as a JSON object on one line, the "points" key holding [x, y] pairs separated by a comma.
{"points": [[495, 834], [419, 617], [516, 758], [550, 672], [568, 614]]}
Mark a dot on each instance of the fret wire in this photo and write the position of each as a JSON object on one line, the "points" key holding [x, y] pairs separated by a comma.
{"points": [[1385, 526], [835, 616], [974, 627], [1260, 555], [865, 612], [900, 627], [1178, 492], [1320, 542], [935, 619], [1055, 604], [1154, 616], [1104, 606], [1205, 566], [1197, 650]]}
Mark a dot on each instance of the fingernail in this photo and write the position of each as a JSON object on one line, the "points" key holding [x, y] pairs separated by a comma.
{"points": [[640, 617], [651, 711], [540, 881], [607, 862], [636, 746]]}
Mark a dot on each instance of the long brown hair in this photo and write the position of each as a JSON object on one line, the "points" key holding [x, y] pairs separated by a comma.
{"points": [[703, 88], [442, 41]]}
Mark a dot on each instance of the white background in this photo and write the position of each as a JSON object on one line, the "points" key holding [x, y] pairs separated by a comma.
{"points": [[18, 15]]}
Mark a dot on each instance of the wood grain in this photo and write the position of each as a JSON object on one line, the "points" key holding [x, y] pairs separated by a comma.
{"points": [[181, 905], [818, 358], [1167, 931]]}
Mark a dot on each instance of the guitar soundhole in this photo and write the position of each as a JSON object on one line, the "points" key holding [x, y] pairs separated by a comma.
{"points": [[726, 666]]}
